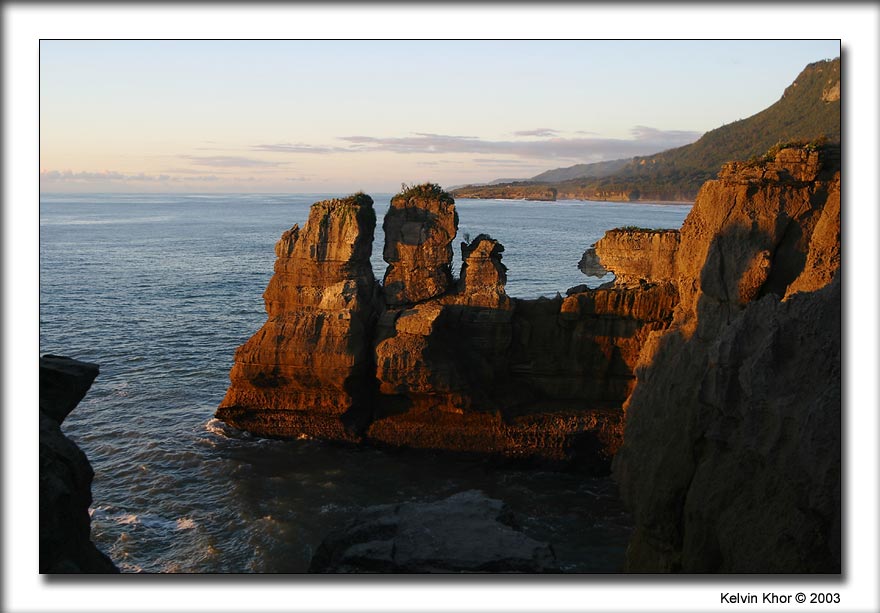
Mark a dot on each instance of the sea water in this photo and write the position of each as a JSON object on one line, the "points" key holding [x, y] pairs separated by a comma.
{"points": [[159, 290]]}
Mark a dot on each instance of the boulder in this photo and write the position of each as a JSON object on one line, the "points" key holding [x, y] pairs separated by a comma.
{"points": [[465, 533]]}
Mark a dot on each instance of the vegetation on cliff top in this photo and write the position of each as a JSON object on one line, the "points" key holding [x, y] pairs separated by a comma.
{"points": [[425, 190]]}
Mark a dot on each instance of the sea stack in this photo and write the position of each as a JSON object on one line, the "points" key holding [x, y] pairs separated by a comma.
{"points": [[433, 362], [419, 227], [309, 369]]}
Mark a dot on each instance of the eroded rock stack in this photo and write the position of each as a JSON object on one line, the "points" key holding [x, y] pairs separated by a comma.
{"points": [[432, 362], [419, 226], [65, 474], [731, 461], [635, 256], [309, 369]]}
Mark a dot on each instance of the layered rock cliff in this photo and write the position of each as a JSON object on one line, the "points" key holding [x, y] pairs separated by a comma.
{"points": [[65, 474], [731, 460], [309, 369], [430, 361], [634, 255]]}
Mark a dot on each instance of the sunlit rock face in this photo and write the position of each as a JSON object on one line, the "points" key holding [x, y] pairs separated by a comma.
{"points": [[430, 361], [419, 226], [634, 255], [309, 369], [731, 460]]}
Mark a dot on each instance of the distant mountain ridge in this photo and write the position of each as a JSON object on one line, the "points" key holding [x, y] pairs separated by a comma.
{"points": [[581, 171], [808, 110]]}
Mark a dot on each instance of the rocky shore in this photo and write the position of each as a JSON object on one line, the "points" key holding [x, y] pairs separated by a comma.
{"points": [[65, 474]]}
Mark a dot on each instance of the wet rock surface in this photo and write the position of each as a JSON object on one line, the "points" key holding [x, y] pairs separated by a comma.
{"points": [[467, 532]]}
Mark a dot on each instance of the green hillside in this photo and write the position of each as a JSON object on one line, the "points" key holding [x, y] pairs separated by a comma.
{"points": [[808, 110], [582, 171]]}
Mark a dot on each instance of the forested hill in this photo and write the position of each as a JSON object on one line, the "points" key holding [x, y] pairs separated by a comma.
{"points": [[809, 110]]}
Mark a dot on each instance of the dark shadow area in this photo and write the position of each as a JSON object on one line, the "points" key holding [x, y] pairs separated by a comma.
{"points": [[731, 429]]}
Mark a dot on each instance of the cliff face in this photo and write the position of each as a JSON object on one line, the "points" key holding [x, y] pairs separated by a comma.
{"points": [[428, 361], [65, 474], [731, 460], [309, 370]]}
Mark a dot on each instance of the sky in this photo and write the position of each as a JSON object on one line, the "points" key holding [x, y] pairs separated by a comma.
{"points": [[341, 116]]}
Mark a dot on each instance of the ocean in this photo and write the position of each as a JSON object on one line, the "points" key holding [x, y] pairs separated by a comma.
{"points": [[159, 290]]}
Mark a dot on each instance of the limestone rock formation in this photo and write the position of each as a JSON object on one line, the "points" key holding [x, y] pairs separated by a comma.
{"points": [[309, 369], [432, 362], [419, 229], [467, 532], [731, 460], [65, 474], [473, 370], [634, 256]]}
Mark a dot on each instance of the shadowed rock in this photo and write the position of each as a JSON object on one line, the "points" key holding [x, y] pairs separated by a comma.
{"points": [[731, 460], [65, 474], [467, 532]]}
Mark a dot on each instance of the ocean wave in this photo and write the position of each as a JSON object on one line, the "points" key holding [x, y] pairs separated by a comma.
{"points": [[224, 430]]}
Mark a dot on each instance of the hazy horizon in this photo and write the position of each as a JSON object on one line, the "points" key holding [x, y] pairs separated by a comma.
{"points": [[253, 116]]}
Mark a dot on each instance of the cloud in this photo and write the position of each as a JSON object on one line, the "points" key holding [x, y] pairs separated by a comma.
{"points": [[501, 162], [68, 176], [537, 132], [301, 148], [644, 133], [645, 141], [229, 161]]}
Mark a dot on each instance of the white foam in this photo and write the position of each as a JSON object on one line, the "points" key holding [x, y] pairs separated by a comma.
{"points": [[224, 430]]}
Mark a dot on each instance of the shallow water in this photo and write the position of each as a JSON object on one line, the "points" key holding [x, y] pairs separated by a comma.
{"points": [[160, 290]]}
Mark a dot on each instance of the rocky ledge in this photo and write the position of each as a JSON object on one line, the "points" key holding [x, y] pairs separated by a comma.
{"points": [[467, 532], [65, 474], [430, 361]]}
